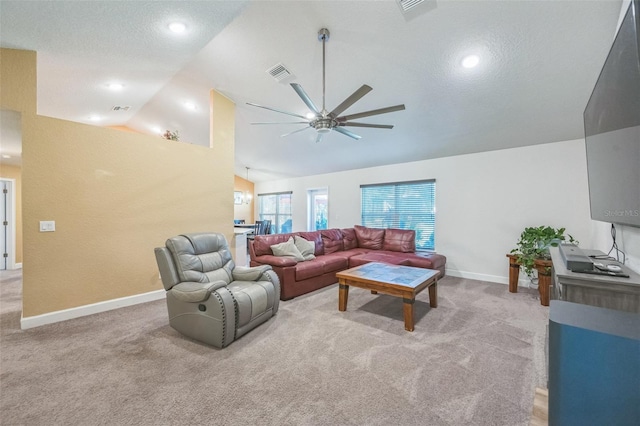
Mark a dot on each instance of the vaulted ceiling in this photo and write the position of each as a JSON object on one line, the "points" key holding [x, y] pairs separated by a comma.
{"points": [[538, 62]]}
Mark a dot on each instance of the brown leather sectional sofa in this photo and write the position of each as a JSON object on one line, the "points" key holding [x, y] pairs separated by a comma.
{"points": [[337, 250]]}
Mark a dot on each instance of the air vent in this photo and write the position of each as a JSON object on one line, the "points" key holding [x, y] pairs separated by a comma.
{"points": [[121, 108], [411, 9], [279, 72], [407, 5]]}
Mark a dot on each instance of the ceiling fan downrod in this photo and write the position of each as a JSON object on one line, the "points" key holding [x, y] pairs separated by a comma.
{"points": [[323, 36]]}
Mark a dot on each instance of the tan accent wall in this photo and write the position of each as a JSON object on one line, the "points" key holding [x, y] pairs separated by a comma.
{"points": [[123, 129], [244, 211], [114, 197], [17, 93], [14, 172], [18, 80]]}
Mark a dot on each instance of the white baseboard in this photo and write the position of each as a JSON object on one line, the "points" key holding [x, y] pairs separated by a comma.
{"points": [[19, 265], [94, 308], [484, 277]]}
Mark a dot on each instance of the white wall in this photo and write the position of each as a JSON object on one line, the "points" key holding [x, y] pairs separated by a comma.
{"points": [[483, 200]]}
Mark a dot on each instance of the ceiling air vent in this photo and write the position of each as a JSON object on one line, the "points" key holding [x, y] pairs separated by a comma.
{"points": [[279, 72], [407, 5], [413, 8], [121, 108]]}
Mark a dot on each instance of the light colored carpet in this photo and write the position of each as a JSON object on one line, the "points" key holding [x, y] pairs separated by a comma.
{"points": [[474, 360]]}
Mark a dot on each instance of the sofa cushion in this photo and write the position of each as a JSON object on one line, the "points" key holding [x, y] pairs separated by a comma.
{"points": [[262, 243], [332, 240], [349, 240], [372, 256], [370, 238], [316, 237], [333, 263], [349, 253], [269, 259], [402, 240], [427, 260], [310, 269], [287, 249], [306, 247]]}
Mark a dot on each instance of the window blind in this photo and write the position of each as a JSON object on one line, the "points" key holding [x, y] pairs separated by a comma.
{"points": [[402, 205]]}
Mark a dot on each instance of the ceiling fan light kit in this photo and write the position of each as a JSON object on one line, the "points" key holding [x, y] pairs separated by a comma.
{"points": [[324, 121]]}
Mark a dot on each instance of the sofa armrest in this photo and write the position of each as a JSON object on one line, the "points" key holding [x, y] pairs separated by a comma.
{"points": [[255, 273], [193, 292], [268, 259]]}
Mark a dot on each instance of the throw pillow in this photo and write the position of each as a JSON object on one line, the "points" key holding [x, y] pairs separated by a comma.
{"points": [[287, 249], [307, 248]]}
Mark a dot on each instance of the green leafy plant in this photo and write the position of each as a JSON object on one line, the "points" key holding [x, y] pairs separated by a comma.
{"points": [[534, 244]]}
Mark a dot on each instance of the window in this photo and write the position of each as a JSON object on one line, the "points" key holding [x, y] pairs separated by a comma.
{"points": [[402, 205], [318, 208], [276, 207]]}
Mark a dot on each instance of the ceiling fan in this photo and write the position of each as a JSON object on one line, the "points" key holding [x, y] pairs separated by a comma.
{"points": [[324, 121]]}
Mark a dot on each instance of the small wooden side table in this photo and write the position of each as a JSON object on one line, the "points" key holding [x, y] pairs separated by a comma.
{"points": [[543, 267]]}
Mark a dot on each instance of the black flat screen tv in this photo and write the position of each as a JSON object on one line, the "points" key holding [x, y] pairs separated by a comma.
{"points": [[612, 129]]}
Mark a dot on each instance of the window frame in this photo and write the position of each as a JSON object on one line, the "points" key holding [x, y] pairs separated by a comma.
{"points": [[398, 208], [278, 219], [311, 211]]}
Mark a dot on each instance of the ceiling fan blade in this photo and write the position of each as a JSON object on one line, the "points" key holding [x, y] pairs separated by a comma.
{"points": [[284, 122], [295, 131], [346, 132], [305, 98], [370, 113], [377, 126], [355, 97], [277, 110]]}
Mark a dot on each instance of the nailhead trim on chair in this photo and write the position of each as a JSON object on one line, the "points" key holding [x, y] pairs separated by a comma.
{"points": [[235, 305], [224, 319]]}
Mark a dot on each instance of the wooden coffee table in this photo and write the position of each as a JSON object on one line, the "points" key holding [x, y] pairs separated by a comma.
{"points": [[396, 280]]}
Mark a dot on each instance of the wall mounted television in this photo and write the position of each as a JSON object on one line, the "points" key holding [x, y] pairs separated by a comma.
{"points": [[612, 129]]}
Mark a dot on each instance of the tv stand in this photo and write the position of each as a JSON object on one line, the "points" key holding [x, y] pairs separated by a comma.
{"points": [[605, 291]]}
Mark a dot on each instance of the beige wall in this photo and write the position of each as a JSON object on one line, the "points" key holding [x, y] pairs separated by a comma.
{"points": [[14, 172], [243, 211], [17, 93], [18, 80], [114, 196]]}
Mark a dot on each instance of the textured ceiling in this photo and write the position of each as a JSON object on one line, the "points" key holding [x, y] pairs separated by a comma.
{"points": [[539, 62]]}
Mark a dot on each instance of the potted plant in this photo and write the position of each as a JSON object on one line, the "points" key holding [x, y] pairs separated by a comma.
{"points": [[532, 254]]}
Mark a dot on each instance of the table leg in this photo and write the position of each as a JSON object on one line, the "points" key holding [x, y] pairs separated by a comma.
{"points": [[343, 296], [544, 282], [408, 313], [433, 295], [514, 273]]}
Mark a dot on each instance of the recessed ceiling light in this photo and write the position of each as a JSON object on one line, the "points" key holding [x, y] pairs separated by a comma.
{"points": [[177, 27], [190, 105], [156, 129], [311, 115], [470, 61], [6, 156], [94, 118], [115, 86]]}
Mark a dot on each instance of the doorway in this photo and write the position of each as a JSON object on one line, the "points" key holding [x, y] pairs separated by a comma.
{"points": [[318, 209], [7, 224]]}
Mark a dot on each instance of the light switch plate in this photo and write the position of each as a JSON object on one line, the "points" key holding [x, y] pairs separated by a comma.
{"points": [[47, 225]]}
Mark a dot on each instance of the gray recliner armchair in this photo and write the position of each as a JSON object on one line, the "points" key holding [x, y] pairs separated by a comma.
{"points": [[208, 298]]}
